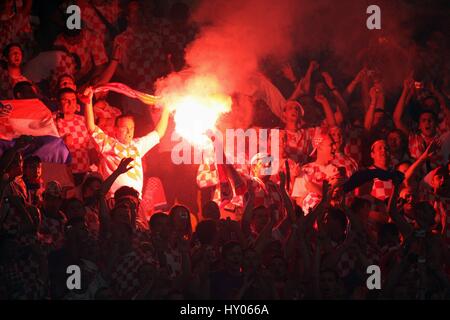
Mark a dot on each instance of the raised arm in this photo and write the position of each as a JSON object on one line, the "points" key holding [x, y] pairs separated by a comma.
{"points": [[342, 105], [400, 107], [121, 169], [248, 209], [106, 75], [161, 127], [286, 199], [329, 115], [304, 85], [104, 189], [434, 146], [376, 101], [403, 226], [352, 85], [89, 110]]}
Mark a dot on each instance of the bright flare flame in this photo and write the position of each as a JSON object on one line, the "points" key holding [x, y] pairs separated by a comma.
{"points": [[197, 105]]}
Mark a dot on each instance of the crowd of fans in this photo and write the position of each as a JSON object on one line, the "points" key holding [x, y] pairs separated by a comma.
{"points": [[360, 183]]}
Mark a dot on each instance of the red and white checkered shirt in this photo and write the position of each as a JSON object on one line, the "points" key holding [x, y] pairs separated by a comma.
{"points": [[353, 146], [64, 64], [175, 38], [418, 144], [381, 190], [125, 277], [110, 11], [92, 219], [266, 193], [315, 174], [89, 49], [81, 141], [347, 262], [107, 116], [153, 197], [208, 176], [342, 160], [297, 145], [173, 262], [143, 59], [23, 279], [112, 152], [17, 29]]}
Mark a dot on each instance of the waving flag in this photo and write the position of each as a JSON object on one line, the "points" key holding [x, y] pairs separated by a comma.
{"points": [[31, 117], [123, 89]]}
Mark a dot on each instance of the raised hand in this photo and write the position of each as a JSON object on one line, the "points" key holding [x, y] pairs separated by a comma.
{"points": [[314, 65], [288, 72], [123, 165], [320, 98], [328, 79], [88, 93], [434, 146], [408, 84], [361, 75], [376, 92]]}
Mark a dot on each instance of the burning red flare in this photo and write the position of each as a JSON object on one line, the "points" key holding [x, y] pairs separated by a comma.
{"points": [[197, 103]]}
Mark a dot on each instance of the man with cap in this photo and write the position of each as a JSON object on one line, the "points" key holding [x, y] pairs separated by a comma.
{"points": [[307, 190], [295, 142]]}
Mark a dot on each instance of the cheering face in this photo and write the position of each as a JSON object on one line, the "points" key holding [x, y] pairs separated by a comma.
{"points": [[68, 102], [427, 125], [291, 113], [125, 130], [15, 57], [327, 148], [380, 154]]}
